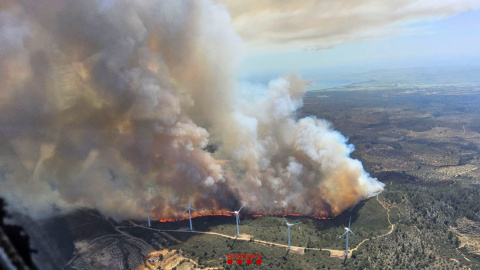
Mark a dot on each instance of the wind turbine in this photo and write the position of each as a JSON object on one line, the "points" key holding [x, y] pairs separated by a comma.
{"points": [[347, 231], [288, 229], [190, 214], [237, 218], [148, 214]]}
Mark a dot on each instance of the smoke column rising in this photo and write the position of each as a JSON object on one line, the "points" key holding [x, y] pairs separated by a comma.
{"points": [[111, 104]]}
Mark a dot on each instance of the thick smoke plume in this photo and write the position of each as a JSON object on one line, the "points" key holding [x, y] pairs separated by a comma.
{"points": [[112, 104]]}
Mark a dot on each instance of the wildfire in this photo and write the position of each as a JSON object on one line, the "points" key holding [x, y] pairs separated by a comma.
{"points": [[294, 215], [170, 220], [227, 215], [323, 217], [193, 216]]}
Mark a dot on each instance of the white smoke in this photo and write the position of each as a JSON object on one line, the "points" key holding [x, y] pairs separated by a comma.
{"points": [[303, 166]]}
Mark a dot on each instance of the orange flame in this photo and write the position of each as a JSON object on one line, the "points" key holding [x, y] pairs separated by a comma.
{"points": [[323, 217], [193, 216], [227, 215], [295, 215]]}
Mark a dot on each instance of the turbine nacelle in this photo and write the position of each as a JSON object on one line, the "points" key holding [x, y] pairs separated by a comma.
{"points": [[237, 211], [189, 207], [290, 224]]}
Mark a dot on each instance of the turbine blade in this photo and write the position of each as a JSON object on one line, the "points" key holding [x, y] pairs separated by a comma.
{"points": [[241, 208], [352, 232], [285, 219], [342, 235], [296, 223], [230, 212], [349, 221], [193, 209], [185, 211]]}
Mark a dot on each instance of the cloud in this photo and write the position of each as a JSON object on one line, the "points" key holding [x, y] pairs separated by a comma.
{"points": [[320, 24]]}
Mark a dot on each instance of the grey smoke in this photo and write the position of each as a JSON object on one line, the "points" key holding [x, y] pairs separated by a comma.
{"points": [[137, 90]]}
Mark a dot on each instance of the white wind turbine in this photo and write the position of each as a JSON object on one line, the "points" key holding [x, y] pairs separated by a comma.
{"points": [[237, 218], [288, 229], [189, 208], [347, 231]]}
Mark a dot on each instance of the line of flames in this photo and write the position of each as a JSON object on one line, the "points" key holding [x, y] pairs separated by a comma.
{"points": [[193, 216], [228, 215]]}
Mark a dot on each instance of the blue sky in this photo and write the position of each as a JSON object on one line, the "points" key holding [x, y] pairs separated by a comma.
{"points": [[452, 41]]}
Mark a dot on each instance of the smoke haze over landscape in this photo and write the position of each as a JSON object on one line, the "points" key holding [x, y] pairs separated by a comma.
{"points": [[112, 104]]}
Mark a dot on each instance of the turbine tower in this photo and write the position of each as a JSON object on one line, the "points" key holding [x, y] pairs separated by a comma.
{"points": [[237, 218], [189, 208], [288, 229], [148, 214], [347, 231]]}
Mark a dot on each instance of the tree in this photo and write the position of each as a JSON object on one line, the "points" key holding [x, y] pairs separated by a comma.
{"points": [[457, 241]]}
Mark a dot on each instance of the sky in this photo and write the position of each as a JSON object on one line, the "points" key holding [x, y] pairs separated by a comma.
{"points": [[432, 39]]}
